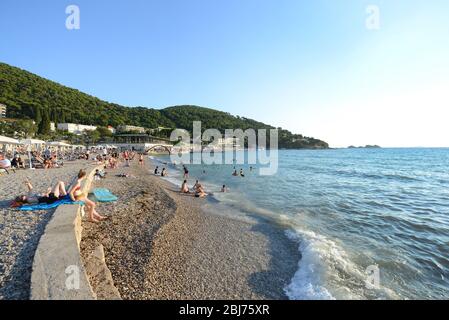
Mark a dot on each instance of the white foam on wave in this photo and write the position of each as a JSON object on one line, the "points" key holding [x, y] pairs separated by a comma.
{"points": [[325, 272]]}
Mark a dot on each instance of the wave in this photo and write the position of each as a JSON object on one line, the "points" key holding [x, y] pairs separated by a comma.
{"points": [[326, 272]]}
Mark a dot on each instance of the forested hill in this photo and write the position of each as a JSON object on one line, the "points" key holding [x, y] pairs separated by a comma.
{"points": [[28, 96]]}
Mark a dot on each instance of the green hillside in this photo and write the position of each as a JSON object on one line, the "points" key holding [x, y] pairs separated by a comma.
{"points": [[29, 96]]}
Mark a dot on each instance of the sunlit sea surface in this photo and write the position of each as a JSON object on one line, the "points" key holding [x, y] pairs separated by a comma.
{"points": [[350, 211]]}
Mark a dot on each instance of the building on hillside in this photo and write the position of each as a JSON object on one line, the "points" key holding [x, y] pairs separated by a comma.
{"points": [[228, 143], [75, 128], [126, 128], [139, 142], [159, 129], [2, 111]]}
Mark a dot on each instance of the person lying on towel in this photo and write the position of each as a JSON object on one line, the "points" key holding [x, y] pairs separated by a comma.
{"points": [[53, 195]]}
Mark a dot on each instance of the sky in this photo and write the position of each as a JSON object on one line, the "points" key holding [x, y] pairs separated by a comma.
{"points": [[313, 67]]}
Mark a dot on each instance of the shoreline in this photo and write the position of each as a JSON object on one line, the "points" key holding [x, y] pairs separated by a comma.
{"points": [[161, 245]]}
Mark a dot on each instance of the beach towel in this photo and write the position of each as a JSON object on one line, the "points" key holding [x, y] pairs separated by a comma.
{"points": [[44, 206], [104, 195]]}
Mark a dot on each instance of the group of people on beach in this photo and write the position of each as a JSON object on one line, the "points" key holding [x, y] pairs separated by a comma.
{"points": [[198, 189], [108, 159], [60, 192]]}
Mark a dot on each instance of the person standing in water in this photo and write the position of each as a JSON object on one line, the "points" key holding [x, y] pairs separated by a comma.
{"points": [[186, 173], [241, 173], [141, 160]]}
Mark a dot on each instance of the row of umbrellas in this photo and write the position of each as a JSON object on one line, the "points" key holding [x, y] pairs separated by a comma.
{"points": [[11, 141]]}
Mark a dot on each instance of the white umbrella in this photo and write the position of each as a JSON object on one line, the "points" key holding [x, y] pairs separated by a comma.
{"points": [[6, 140]]}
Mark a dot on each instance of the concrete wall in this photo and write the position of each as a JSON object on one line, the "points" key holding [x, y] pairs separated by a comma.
{"points": [[58, 270]]}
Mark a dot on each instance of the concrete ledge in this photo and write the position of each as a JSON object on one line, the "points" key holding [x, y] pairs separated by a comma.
{"points": [[58, 271]]}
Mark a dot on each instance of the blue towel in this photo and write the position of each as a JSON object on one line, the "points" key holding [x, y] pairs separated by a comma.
{"points": [[44, 206], [104, 195]]}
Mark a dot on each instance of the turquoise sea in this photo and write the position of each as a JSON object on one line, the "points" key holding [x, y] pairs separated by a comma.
{"points": [[350, 210]]}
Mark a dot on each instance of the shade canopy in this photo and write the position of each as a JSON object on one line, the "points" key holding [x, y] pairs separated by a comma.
{"points": [[32, 141], [6, 140], [58, 144]]}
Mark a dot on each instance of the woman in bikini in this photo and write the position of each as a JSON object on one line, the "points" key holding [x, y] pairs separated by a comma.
{"points": [[77, 195]]}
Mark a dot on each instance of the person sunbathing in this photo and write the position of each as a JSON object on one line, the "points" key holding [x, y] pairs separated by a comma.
{"points": [[77, 195], [5, 164], [51, 196]]}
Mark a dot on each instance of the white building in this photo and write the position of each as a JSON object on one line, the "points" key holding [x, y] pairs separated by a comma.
{"points": [[2, 111], [126, 128], [75, 128]]}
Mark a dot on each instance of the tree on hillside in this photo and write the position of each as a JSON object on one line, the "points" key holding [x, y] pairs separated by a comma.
{"points": [[37, 115], [104, 132], [44, 125]]}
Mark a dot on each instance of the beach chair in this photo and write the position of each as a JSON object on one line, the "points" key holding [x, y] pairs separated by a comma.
{"points": [[37, 162]]}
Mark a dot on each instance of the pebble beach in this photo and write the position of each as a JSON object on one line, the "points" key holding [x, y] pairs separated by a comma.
{"points": [[161, 245], [158, 244], [20, 231]]}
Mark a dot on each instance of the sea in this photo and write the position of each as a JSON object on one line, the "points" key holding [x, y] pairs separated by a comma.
{"points": [[369, 223]]}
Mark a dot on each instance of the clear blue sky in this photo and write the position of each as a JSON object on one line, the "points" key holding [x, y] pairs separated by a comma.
{"points": [[309, 66]]}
